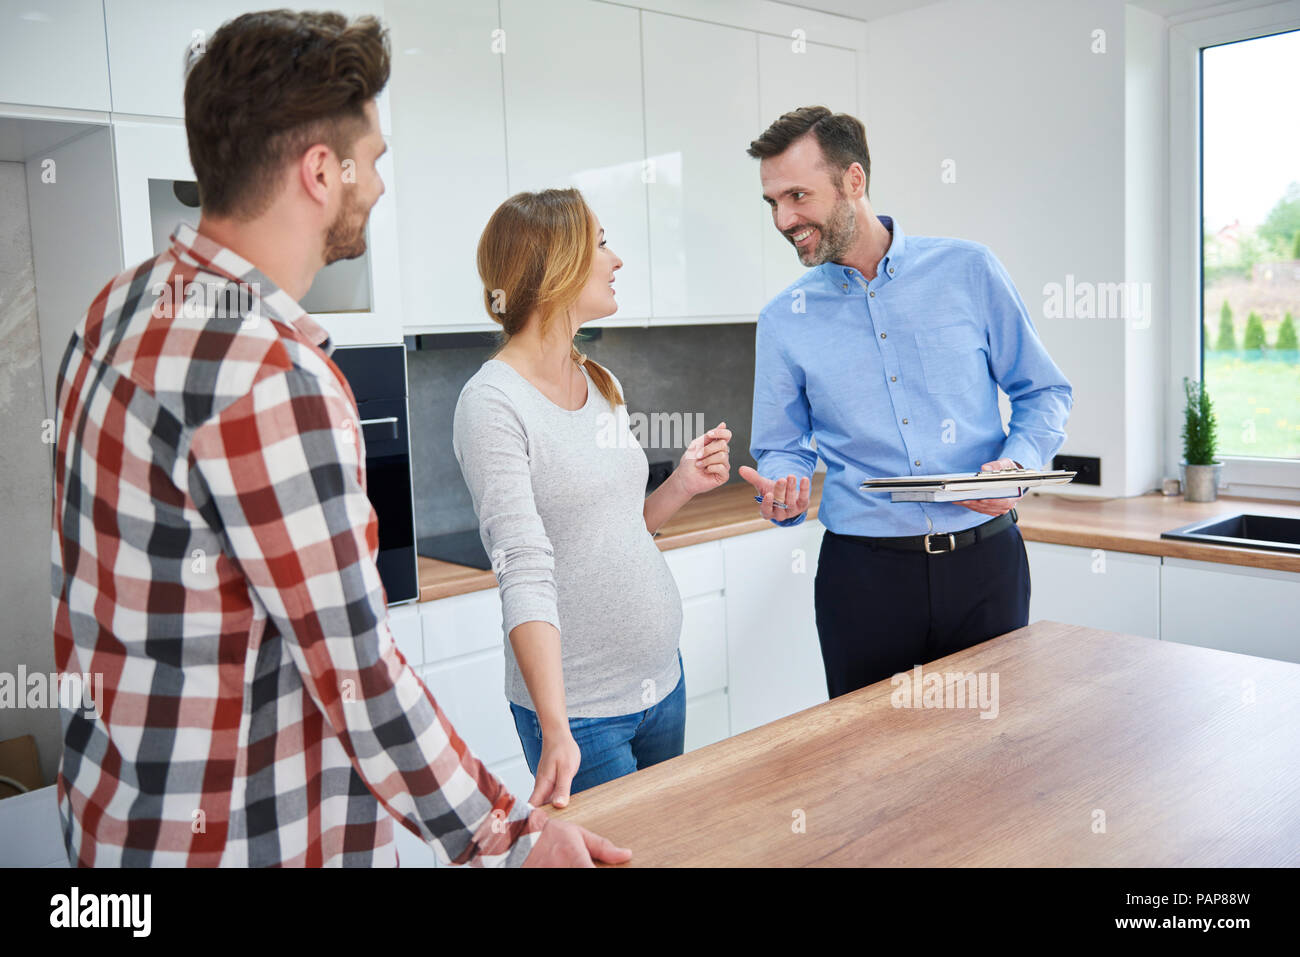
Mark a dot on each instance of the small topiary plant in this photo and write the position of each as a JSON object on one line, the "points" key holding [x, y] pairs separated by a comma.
{"points": [[1199, 426]]}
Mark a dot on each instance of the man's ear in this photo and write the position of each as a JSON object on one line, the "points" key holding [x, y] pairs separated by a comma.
{"points": [[854, 179], [313, 172]]}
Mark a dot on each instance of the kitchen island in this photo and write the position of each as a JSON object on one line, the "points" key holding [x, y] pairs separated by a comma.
{"points": [[1098, 749]]}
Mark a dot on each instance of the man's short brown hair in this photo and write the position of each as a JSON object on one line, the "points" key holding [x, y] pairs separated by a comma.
{"points": [[269, 85], [843, 139]]}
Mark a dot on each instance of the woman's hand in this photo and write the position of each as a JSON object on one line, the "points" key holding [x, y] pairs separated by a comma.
{"points": [[555, 769], [706, 463]]}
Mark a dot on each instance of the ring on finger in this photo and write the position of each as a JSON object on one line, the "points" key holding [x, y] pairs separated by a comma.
{"points": [[779, 505]]}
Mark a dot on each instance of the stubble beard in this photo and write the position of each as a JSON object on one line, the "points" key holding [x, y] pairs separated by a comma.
{"points": [[346, 237], [836, 235]]}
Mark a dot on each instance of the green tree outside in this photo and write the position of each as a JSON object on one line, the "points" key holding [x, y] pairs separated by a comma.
{"points": [[1254, 339], [1283, 220], [1286, 337], [1227, 340]]}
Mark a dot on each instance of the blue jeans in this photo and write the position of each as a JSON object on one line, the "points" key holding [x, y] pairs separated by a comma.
{"points": [[613, 747]]}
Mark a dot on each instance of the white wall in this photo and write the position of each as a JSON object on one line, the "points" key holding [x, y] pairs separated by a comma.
{"points": [[1146, 232], [25, 635], [1011, 91]]}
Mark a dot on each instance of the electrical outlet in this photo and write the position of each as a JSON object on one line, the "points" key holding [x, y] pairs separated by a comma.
{"points": [[659, 472], [1088, 467]]}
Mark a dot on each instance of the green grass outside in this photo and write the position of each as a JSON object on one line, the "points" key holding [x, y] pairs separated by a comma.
{"points": [[1255, 394]]}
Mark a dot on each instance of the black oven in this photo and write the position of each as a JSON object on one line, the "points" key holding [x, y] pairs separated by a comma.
{"points": [[377, 375]]}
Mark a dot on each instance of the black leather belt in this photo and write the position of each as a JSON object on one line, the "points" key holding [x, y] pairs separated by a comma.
{"points": [[937, 543]]}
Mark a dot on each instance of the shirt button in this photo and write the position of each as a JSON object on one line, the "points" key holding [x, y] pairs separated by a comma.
{"points": [[905, 421], [893, 378], [918, 462], [872, 294], [846, 285], [883, 336], [891, 270]]}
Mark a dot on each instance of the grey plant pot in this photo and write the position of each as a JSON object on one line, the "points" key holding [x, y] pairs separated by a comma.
{"points": [[1201, 482]]}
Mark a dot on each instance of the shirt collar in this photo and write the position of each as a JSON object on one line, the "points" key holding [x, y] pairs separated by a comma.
{"points": [[891, 264], [188, 245]]}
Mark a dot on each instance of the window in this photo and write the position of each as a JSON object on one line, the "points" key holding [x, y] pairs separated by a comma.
{"points": [[1250, 256]]}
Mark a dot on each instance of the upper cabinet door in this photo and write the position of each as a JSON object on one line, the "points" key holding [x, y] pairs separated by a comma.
{"points": [[706, 208], [791, 75], [574, 118], [149, 41], [54, 54], [449, 153], [356, 300]]}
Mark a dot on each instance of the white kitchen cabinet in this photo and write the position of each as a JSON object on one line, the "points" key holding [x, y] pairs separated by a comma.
{"points": [[149, 41], [707, 720], [1251, 611], [697, 569], [404, 622], [793, 74], [700, 574], [151, 153], [462, 663], [706, 212], [514, 774], [471, 690], [54, 54], [461, 625], [449, 156], [774, 663], [1113, 591], [704, 644], [574, 118]]}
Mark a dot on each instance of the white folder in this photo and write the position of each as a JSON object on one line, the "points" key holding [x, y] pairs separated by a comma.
{"points": [[963, 486]]}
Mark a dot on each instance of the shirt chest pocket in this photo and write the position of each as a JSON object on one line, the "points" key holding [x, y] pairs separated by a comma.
{"points": [[952, 357]]}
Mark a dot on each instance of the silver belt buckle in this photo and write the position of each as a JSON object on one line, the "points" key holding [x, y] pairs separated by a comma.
{"points": [[952, 543]]}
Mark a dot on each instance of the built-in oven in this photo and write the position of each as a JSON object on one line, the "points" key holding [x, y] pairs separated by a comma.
{"points": [[377, 375]]}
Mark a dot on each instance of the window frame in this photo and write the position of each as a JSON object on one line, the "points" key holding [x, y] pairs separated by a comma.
{"points": [[1243, 475]]}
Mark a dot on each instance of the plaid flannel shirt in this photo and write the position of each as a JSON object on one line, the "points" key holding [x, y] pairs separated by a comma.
{"points": [[214, 559]]}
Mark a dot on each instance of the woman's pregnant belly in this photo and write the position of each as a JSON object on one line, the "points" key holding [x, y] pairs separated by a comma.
{"points": [[620, 611]]}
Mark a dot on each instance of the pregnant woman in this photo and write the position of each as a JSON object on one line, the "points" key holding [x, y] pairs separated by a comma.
{"points": [[592, 615]]}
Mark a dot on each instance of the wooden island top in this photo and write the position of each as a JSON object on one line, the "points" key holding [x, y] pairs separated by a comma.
{"points": [[1121, 524], [1106, 750]]}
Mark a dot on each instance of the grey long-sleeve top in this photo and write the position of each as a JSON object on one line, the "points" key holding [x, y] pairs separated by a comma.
{"points": [[559, 497]]}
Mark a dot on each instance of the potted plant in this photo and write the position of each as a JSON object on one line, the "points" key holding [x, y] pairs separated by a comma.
{"points": [[1199, 468]]}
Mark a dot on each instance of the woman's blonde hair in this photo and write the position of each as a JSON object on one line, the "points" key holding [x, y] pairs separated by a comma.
{"points": [[535, 255]]}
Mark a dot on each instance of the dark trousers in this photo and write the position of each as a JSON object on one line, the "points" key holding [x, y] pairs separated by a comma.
{"points": [[881, 611]]}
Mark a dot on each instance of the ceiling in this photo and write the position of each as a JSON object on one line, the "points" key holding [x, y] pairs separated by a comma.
{"points": [[859, 9], [873, 9]]}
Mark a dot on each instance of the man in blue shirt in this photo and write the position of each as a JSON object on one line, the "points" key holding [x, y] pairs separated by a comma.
{"points": [[889, 353]]}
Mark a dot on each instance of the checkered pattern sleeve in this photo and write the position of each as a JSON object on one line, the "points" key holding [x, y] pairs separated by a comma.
{"points": [[279, 475]]}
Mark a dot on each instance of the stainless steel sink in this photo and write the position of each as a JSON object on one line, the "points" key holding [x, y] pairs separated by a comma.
{"points": [[1244, 531]]}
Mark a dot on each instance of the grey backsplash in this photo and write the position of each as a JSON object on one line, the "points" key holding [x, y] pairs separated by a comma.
{"points": [[706, 369]]}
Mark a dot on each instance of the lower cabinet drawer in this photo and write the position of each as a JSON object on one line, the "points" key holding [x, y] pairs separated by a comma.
{"points": [[461, 624], [707, 720], [514, 774], [471, 691], [704, 644]]}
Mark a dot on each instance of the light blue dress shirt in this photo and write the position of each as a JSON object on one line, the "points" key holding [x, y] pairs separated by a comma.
{"points": [[900, 376]]}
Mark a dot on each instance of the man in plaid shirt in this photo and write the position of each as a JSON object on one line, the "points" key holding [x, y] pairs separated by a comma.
{"points": [[214, 548]]}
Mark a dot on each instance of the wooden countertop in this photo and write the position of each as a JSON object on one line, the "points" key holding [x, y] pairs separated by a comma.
{"points": [[726, 511], [1134, 525], [1154, 735], [1121, 524]]}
